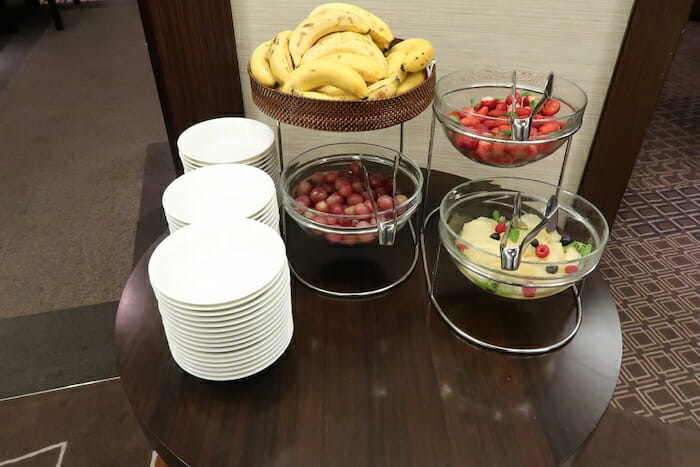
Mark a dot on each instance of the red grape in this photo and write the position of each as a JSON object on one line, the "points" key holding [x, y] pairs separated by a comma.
{"points": [[304, 201], [318, 177], [376, 180], [340, 181], [322, 206], [350, 211], [334, 238], [385, 202], [362, 210], [303, 189], [354, 198], [357, 187], [325, 187], [337, 209], [331, 177], [317, 194], [335, 198], [345, 190]]}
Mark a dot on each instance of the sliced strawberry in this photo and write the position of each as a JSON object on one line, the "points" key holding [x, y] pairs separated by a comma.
{"points": [[518, 99], [549, 127], [496, 113], [501, 106], [470, 120], [483, 111], [527, 102], [551, 107], [483, 150], [523, 111], [489, 102]]}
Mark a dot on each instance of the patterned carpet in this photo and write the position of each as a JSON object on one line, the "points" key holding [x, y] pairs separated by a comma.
{"points": [[653, 258]]}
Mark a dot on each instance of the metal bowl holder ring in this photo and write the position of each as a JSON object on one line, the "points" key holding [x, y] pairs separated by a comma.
{"points": [[510, 256]]}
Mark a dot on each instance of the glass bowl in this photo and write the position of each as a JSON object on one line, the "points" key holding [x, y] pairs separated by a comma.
{"points": [[334, 164], [581, 226], [486, 139]]}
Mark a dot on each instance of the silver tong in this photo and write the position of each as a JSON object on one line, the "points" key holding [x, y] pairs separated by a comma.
{"points": [[510, 256], [521, 126]]}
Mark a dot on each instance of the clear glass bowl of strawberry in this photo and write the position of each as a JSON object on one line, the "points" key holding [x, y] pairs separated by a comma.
{"points": [[326, 193], [476, 111], [475, 215]]}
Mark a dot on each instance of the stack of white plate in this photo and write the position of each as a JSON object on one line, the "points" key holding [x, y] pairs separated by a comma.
{"points": [[221, 191], [229, 140], [224, 296]]}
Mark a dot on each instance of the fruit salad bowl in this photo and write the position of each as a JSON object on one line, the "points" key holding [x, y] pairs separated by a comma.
{"points": [[476, 111], [342, 193], [475, 215]]}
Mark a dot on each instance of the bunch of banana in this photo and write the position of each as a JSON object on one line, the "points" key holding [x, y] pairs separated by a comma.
{"points": [[341, 52]]}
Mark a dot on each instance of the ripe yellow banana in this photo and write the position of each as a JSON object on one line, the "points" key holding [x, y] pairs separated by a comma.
{"points": [[260, 66], [315, 27], [310, 76], [280, 60], [370, 70], [323, 96], [412, 80], [384, 88], [379, 30], [344, 42], [419, 53], [334, 92], [394, 64]]}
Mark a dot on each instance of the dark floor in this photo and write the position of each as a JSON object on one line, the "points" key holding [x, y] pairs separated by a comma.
{"points": [[654, 417]]}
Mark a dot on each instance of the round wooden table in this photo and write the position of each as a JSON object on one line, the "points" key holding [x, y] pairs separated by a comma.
{"points": [[376, 382]]}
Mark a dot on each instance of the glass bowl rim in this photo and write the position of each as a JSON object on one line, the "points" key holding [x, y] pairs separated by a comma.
{"points": [[597, 250], [294, 204], [439, 97]]}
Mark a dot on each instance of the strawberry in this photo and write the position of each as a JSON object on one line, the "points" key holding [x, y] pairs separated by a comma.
{"points": [[549, 127], [483, 111], [496, 113], [501, 106], [523, 111], [470, 120], [518, 99], [528, 101], [483, 150], [551, 107], [489, 102]]}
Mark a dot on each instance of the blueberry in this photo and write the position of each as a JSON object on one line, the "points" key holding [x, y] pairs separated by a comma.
{"points": [[495, 236], [565, 240], [552, 269], [535, 243]]}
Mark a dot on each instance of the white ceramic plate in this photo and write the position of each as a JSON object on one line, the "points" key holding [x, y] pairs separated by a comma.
{"points": [[280, 282], [217, 262], [226, 139], [234, 190]]}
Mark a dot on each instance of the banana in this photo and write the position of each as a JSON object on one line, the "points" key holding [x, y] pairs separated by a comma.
{"points": [[334, 92], [323, 96], [379, 30], [315, 27], [260, 66], [312, 75], [412, 80], [370, 71], [280, 60], [419, 53], [344, 42], [393, 65], [384, 88]]}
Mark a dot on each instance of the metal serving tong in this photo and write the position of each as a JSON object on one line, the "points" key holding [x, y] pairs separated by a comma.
{"points": [[521, 126], [510, 256], [386, 228]]}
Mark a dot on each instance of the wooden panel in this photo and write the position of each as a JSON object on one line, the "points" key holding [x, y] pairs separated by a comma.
{"points": [[652, 37], [579, 40], [193, 54]]}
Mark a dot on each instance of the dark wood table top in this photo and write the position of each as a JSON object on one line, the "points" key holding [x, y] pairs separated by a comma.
{"points": [[380, 382]]}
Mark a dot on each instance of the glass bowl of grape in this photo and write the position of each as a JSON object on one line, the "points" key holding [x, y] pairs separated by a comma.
{"points": [[343, 193], [477, 112], [476, 214]]}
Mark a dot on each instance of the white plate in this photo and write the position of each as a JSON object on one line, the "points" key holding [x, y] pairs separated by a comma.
{"points": [[228, 344], [234, 190], [192, 161], [202, 323], [214, 358], [217, 262], [253, 357], [281, 281], [226, 139], [240, 372]]}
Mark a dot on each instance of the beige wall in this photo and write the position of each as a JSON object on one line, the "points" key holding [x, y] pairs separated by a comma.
{"points": [[578, 39]]}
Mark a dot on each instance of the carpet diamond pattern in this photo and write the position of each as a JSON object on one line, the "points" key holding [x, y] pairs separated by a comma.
{"points": [[653, 259]]}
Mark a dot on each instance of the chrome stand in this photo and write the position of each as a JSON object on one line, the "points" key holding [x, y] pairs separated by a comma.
{"points": [[400, 246]]}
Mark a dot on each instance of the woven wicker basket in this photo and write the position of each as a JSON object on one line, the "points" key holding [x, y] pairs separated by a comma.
{"points": [[326, 115]]}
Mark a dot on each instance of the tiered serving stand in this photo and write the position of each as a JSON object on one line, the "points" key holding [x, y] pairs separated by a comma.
{"points": [[549, 313], [331, 268]]}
